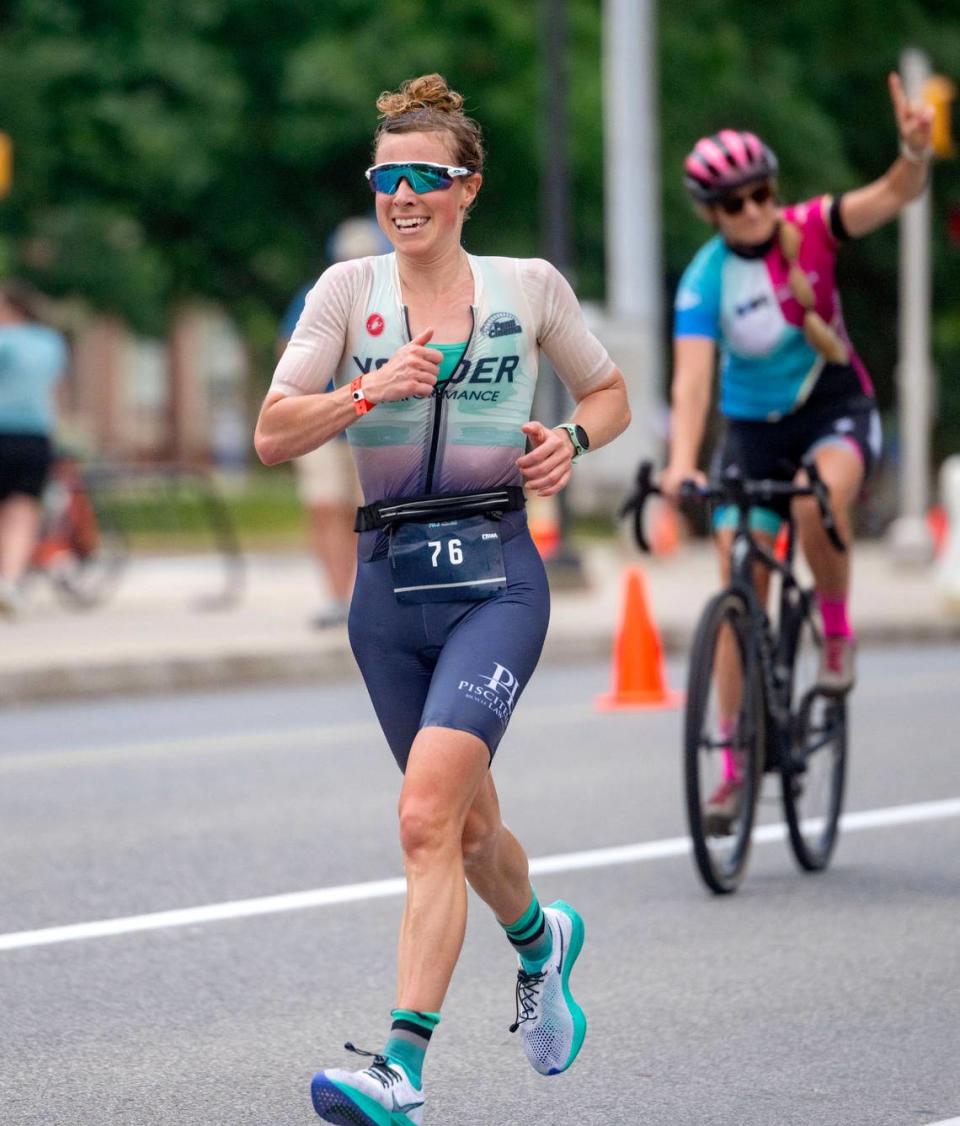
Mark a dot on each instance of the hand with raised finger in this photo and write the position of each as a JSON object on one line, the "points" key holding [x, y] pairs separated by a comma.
{"points": [[914, 118], [547, 467], [411, 372]]}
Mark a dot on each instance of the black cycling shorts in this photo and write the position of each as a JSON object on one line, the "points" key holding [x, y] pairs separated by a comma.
{"points": [[25, 461], [775, 450]]}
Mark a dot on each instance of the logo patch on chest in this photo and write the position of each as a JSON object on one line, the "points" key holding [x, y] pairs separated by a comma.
{"points": [[752, 305], [375, 324], [500, 324]]}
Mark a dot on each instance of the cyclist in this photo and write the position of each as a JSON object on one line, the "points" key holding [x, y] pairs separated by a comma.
{"points": [[448, 614], [762, 294]]}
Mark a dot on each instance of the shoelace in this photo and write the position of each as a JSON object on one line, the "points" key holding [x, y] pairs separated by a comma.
{"points": [[380, 1069], [527, 987]]}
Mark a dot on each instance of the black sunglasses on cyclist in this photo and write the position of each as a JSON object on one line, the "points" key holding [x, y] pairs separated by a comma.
{"points": [[734, 204], [422, 176]]}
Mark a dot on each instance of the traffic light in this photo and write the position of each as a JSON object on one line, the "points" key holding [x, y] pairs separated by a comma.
{"points": [[939, 92], [6, 165]]}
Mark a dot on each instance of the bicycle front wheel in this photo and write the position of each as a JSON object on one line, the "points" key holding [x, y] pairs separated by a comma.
{"points": [[724, 741], [814, 772]]}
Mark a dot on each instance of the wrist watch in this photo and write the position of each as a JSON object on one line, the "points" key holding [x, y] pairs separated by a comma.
{"points": [[361, 404], [578, 436]]}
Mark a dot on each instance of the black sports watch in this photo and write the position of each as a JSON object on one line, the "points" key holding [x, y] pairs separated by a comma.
{"points": [[578, 436]]}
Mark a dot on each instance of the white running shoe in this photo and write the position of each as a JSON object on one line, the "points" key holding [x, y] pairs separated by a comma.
{"points": [[552, 1025], [380, 1095], [838, 666]]}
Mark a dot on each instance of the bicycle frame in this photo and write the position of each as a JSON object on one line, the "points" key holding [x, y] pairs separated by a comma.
{"points": [[772, 646]]}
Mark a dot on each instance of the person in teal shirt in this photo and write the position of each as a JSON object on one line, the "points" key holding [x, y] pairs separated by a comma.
{"points": [[33, 359]]}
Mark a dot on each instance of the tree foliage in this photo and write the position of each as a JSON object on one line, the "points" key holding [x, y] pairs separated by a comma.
{"points": [[173, 148]]}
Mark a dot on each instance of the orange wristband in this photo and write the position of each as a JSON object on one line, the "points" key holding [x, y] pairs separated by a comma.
{"points": [[361, 404]]}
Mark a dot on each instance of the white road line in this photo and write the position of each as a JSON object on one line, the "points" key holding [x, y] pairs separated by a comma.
{"points": [[946, 1122], [379, 889]]}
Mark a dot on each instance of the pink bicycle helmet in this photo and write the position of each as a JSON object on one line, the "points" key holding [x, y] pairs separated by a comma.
{"points": [[727, 160]]}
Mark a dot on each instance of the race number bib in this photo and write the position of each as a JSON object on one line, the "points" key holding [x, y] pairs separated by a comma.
{"points": [[447, 561]]}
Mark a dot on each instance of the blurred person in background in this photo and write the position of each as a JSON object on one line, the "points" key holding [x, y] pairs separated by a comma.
{"points": [[326, 480], [762, 297], [435, 355], [33, 359]]}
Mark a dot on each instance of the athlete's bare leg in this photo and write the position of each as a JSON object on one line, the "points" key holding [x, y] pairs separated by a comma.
{"points": [[444, 774], [494, 860], [726, 661], [841, 468], [19, 527]]}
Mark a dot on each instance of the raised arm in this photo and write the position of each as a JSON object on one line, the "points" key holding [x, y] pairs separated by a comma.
{"points": [[865, 209]]}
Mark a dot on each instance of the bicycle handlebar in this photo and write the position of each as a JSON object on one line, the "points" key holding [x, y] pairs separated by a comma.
{"points": [[736, 490]]}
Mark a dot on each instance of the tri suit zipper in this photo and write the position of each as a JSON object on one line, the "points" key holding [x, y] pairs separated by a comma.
{"points": [[438, 399]]}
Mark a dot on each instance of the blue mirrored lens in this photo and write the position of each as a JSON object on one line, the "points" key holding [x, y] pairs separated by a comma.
{"points": [[421, 178]]}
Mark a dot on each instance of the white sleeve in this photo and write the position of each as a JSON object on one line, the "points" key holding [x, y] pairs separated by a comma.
{"points": [[579, 358], [312, 356]]}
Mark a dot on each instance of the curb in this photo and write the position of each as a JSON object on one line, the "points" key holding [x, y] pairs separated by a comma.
{"points": [[334, 663]]}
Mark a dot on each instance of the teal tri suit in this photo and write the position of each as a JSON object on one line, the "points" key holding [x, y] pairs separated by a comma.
{"points": [[454, 663]]}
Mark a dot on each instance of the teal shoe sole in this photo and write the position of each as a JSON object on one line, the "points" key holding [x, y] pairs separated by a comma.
{"points": [[576, 945]]}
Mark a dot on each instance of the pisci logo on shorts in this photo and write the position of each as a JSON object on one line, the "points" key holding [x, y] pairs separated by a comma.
{"points": [[496, 692], [375, 324], [500, 324]]}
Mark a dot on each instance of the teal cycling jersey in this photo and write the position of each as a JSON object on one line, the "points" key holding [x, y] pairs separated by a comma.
{"points": [[745, 304]]}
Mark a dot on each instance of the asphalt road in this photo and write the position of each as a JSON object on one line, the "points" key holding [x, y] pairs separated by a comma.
{"points": [[801, 1001]]}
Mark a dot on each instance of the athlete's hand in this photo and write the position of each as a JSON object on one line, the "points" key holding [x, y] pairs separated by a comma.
{"points": [[411, 371], [673, 477], [549, 465], [914, 118]]}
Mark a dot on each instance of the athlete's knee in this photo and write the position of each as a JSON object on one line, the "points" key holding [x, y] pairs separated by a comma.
{"points": [[426, 828]]}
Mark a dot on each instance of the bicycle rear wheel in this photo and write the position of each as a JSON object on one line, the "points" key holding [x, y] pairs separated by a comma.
{"points": [[724, 741], [814, 774]]}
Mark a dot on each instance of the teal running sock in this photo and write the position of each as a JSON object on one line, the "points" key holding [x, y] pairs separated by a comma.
{"points": [[531, 938], [409, 1039]]}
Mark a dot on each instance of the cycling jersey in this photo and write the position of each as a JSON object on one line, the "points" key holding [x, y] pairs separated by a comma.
{"points": [[767, 368], [467, 435]]}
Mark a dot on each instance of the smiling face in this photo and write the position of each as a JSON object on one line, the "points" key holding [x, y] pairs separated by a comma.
{"points": [[426, 225], [755, 223]]}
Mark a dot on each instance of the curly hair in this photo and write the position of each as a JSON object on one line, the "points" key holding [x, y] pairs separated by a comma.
{"points": [[428, 105]]}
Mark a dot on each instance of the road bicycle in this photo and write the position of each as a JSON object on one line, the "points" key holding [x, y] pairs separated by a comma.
{"points": [[753, 705]]}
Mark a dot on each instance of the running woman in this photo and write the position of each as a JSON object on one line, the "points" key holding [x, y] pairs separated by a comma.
{"points": [[762, 295], [434, 353]]}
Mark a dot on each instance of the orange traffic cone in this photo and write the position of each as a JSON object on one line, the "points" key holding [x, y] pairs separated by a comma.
{"points": [[639, 677], [543, 520]]}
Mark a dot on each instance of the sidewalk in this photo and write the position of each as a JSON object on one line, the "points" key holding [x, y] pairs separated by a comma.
{"points": [[152, 637]]}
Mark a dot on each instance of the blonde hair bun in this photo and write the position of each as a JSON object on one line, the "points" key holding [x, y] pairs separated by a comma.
{"points": [[429, 91]]}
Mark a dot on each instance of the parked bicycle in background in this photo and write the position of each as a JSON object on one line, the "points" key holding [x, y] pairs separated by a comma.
{"points": [[80, 547]]}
